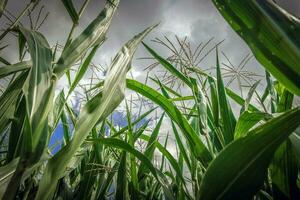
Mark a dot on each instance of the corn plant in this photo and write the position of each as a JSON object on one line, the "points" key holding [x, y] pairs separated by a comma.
{"points": [[219, 154]]}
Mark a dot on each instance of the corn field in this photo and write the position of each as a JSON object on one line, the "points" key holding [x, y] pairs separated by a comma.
{"points": [[225, 145]]}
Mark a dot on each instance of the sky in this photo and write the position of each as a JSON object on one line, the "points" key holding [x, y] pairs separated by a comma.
{"points": [[198, 20]]}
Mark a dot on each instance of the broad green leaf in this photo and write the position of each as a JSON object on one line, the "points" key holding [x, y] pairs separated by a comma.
{"points": [[15, 134], [181, 147], [38, 89], [66, 129], [242, 165], [12, 69], [9, 100], [93, 35], [96, 109], [121, 190], [247, 120], [167, 88], [271, 33], [295, 140], [284, 173], [198, 148], [185, 98], [271, 90], [71, 10], [140, 131], [285, 102], [284, 168], [226, 113], [6, 173], [134, 186]]}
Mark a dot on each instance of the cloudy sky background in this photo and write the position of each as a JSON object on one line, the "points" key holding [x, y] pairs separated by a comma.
{"points": [[196, 19]]}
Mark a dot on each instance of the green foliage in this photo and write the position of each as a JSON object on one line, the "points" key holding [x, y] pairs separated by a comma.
{"points": [[209, 151], [271, 33]]}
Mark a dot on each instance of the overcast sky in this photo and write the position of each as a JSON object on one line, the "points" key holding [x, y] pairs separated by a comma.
{"points": [[196, 19]]}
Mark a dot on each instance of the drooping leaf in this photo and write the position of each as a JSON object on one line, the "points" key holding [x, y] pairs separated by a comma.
{"points": [[198, 148], [38, 88]]}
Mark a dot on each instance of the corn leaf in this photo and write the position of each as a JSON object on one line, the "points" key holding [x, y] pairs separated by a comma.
{"points": [[126, 147], [38, 89], [121, 190], [239, 100], [198, 148], [9, 100], [96, 109], [168, 66], [167, 155], [246, 121], [94, 34], [71, 10], [242, 165], [271, 33], [12, 69], [149, 152], [225, 109], [6, 173]]}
